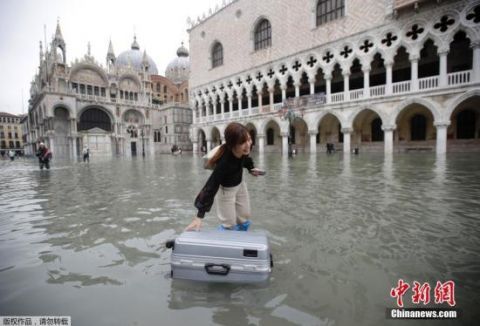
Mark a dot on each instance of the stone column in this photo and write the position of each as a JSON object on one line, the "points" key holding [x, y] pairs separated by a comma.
{"points": [[261, 143], [207, 110], [388, 86], [284, 143], [259, 96], [414, 73], [240, 105], [297, 89], [476, 62], [270, 93], [366, 82], [441, 136], [311, 81], [346, 86], [209, 144], [328, 87], [214, 109], [74, 147], [388, 138], [194, 116], [249, 98], [443, 79], [222, 105], [313, 141], [283, 87], [346, 139], [195, 146], [51, 143]]}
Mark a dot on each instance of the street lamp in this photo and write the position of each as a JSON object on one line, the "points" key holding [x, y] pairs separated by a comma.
{"points": [[143, 143]]}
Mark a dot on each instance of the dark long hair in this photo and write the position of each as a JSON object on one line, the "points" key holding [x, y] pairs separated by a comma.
{"points": [[235, 134]]}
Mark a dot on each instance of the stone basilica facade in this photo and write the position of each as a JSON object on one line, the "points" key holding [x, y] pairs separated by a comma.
{"points": [[125, 108], [390, 75]]}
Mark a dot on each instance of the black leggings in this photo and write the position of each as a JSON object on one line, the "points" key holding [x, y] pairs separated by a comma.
{"points": [[45, 164]]}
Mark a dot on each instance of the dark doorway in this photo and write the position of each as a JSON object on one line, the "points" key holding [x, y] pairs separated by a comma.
{"points": [[377, 132], [466, 125], [292, 135], [270, 136], [340, 134], [133, 145], [418, 126]]}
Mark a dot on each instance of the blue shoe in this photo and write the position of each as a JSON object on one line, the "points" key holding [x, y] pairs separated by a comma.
{"points": [[222, 228], [243, 226]]}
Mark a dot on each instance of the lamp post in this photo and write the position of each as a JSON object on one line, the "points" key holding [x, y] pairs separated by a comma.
{"points": [[143, 143]]}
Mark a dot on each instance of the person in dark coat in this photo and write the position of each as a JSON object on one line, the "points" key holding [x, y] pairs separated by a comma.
{"points": [[44, 156]]}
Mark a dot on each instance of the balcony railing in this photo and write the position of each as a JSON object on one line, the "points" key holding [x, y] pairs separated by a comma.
{"points": [[337, 97], [356, 94], [459, 78], [428, 83], [377, 91], [401, 87], [319, 99]]}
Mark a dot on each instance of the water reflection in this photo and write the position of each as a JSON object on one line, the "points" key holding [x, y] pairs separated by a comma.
{"points": [[343, 230]]}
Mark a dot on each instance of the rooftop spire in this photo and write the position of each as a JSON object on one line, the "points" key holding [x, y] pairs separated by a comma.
{"points": [[41, 52], [145, 58], [58, 32], [110, 48], [135, 45]]}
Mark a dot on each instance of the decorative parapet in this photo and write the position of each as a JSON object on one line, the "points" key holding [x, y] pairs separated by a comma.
{"points": [[192, 23]]}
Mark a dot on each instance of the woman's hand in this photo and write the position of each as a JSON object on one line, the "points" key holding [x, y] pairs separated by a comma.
{"points": [[194, 225], [256, 172]]}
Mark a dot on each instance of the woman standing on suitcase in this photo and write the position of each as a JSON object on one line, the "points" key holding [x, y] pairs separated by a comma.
{"points": [[233, 202]]}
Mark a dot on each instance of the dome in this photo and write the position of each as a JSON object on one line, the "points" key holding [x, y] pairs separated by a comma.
{"points": [[134, 57], [178, 70]]}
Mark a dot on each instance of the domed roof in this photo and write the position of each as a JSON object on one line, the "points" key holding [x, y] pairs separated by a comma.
{"points": [[134, 58], [178, 70]]}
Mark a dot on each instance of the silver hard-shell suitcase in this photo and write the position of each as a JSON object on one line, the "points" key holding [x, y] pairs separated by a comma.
{"points": [[221, 256]]}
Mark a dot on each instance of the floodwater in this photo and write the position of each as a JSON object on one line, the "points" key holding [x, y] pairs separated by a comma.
{"points": [[87, 240]]}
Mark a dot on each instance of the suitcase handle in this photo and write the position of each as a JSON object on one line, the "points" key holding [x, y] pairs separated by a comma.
{"points": [[217, 269]]}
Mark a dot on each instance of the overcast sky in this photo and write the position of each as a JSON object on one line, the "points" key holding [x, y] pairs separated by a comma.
{"points": [[160, 27]]}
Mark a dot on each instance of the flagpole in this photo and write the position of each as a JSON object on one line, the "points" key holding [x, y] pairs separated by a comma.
{"points": [[46, 52]]}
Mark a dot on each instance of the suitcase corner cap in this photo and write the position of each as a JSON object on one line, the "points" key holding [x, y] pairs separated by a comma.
{"points": [[170, 244]]}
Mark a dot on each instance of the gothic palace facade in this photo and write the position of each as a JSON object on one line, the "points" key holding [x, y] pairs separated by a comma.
{"points": [[375, 75]]}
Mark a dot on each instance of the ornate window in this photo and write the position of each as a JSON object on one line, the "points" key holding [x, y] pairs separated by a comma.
{"points": [[263, 35], [328, 10], [217, 55]]}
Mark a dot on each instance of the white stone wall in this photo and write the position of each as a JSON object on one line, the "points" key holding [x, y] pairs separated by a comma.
{"points": [[293, 30]]}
